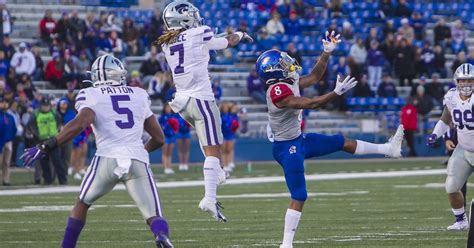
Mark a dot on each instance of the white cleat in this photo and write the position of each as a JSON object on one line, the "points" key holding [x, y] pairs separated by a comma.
{"points": [[459, 226], [70, 171], [77, 177], [222, 177], [169, 171], [228, 169], [213, 208], [183, 167], [395, 143]]}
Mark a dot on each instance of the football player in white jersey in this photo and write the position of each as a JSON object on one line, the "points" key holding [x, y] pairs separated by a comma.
{"points": [[458, 110], [118, 115], [291, 147], [186, 44]]}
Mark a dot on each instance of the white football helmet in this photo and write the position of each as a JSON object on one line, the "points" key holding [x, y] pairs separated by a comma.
{"points": [[181, 14], [108, 70], [464, 71]]}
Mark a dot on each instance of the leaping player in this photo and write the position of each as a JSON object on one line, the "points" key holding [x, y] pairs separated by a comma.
{"points": [[458, 109], [118, 115], [291, 147], [186, 44]]}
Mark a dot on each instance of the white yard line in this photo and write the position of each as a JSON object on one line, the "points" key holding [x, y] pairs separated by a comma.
{"points": [[237, 181]]}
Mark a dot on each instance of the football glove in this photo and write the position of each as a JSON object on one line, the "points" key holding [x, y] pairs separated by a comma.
{"points": [[344, 86], [330, 41], [431, 139], [34, 153], [246, 37]]}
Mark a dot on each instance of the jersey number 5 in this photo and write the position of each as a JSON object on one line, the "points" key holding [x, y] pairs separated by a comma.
{"points": [[180, 49], [122, 111]]}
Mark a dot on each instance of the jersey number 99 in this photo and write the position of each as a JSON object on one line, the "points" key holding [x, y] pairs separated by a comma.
{"points": [[461, 119]]}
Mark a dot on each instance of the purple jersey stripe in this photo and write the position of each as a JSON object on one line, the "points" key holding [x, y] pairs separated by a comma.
{"points": [[88, 174], [153, 191], [207, 38], [92, 179], [82, 98], [208, 136], [207, 30], [213, 123]]}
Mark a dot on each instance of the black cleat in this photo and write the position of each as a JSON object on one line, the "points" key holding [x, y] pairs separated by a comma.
{"points": [[162, 241]]}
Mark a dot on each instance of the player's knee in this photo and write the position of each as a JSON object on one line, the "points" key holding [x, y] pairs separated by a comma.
{"points": [[299, 194], [451, 186]]}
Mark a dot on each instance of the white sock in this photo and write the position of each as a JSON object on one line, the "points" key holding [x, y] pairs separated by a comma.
{"points": [[292, 218], [211, 172], [459, 213], [371, 148]]}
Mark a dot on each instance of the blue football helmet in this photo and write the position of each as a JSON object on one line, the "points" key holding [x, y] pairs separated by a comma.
{"points": [[274, 66]]}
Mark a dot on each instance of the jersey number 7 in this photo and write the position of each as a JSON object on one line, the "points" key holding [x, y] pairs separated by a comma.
{"points": [[122, 111], [180, 49]]}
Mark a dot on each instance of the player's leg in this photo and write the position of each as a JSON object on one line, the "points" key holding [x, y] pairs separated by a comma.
{"points": [[225, 155], [207, 122], [99, 180], [231, 154], [180, 145], [458, 171], [289, 155], [463, 192], [142, 189], [392, 148]]}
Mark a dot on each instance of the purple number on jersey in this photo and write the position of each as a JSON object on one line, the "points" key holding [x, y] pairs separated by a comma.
{"points": [[122, 111], [180, 49], [461, 119]]}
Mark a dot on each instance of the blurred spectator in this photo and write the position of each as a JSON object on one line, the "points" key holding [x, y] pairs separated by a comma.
{"points": [[442, 33], [292, 25], [117, 44], [4, 65], [459, 35], [439, 61], [83, 65], [362, 89], [130, 37], [409, 120], [64, 28], [150, 66], [28, 88], [54, 71], [155, 26], [388, 49], [435, 90], [243, 27], [39, 71], [7, 135], [347, 31], [216, 88], [358, 54], [335, 7], [255, 87], [388, 28], [111, 24], [284, 8], [135, 80], [274, 25], [406, 31], [66, 114], [404, 62], [373, 36], [418, 25], [7, 20], [470, 57], [375, 62], [78, 25], [170, 126], [47, 27], [291, 50], [387, 88], [402, 9], [8, 48], [341, 68], [427, 59], [15, 111], [71, 70], [421, 81], [45, 124], [300, 7], [265, 41], [266, 6], [102, 43], [230, 124], [385, 9], [460, 59], [159, 86], [422, 101], [23, 61]]}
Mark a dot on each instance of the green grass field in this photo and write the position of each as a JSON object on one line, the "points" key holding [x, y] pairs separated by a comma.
{"points": [[370, 212]]}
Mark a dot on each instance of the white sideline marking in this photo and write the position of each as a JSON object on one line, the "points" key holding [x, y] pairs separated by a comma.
{"points": [[286, 195], [237, 181], [426, 186]]}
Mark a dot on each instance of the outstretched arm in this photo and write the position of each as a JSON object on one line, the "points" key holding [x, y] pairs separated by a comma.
{"points": [[235, 38], [157, 137], [299, 102], [329, 43], [441, 127]]}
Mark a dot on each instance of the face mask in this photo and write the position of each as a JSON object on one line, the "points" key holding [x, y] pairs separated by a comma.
{"points": [[465, 89]]}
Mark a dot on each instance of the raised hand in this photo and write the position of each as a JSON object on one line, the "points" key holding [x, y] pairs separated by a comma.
{"points": [[330, 41], [344, 86]]}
